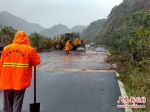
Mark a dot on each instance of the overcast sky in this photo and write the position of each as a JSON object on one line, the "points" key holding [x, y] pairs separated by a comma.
{"points": [[48, 13]]}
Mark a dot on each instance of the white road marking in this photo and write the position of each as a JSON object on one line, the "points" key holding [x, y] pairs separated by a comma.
{"points": [[123, 92]]}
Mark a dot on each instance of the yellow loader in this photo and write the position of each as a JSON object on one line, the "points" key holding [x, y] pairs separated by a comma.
{"points": [[60, 42]]}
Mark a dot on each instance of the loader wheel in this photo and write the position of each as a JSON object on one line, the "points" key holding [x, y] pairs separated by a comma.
{"points": [[58, 46], [75, 48]]}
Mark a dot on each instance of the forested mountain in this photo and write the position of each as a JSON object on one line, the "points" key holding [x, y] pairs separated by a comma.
{"points": [[55, 30], [117, 14], [59, 29], [127, 35], [127, 28], [104, 27], [7, 19], [91, 33]]}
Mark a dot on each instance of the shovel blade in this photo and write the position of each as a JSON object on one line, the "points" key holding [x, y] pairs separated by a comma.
{"points": [[35, 107]]}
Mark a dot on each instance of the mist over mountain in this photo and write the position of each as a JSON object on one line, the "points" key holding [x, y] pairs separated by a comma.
{"points": [[59, 29], [7, 19], [78, 28]]}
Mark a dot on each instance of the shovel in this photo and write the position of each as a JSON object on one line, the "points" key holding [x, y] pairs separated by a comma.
{"points": [[35, 107]]}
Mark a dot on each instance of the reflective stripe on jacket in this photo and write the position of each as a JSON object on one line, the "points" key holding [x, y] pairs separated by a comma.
{"points": [[16, 63]]}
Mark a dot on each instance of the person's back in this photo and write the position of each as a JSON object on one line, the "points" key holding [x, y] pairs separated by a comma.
{"points": [[16, 64]]}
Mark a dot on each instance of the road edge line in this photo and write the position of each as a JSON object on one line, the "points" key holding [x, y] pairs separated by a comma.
{"points": [[108, 52], [123, 92]]}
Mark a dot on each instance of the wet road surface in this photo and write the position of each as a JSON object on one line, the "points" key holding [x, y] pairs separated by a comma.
{"points": [[77, 82]]}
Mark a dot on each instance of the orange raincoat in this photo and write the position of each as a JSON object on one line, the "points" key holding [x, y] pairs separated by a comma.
{"points": [[84, 42], [67, 46], [16, 63]]}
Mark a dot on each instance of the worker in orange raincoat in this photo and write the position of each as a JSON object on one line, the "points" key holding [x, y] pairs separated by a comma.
{"points": [[16, 64], [67, 47], [84, 43]]}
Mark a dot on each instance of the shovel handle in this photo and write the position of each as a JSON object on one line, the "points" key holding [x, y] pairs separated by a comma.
{"points": [[34, 84]]}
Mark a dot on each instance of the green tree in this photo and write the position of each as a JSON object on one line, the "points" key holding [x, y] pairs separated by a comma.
{"points": [[35, 40], [39, 41], [7, 34]]}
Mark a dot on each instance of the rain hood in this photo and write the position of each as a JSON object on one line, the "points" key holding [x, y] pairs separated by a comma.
{"points": [[21, 38]]}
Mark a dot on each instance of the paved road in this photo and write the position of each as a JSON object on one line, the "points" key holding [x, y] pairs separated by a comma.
{"points": [[78, 82]]}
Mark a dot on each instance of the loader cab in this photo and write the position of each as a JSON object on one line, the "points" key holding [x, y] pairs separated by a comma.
{"points": [[68, 36]]}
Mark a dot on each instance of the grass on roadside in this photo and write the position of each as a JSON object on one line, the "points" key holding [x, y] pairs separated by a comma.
{"points": [[137, 83]]}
